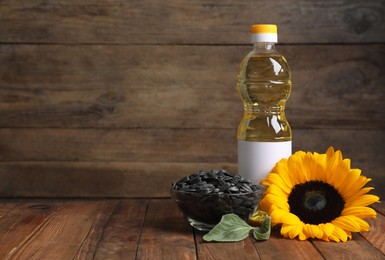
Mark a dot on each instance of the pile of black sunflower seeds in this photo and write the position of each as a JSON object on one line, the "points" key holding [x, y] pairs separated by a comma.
{"points": [[215, 182]]}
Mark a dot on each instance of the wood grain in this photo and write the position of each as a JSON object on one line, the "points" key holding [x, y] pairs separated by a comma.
{"points": [[376, 234], [119, 98], [147, 229], [278, 248], [20, 221], [166, 234], [203, 21], [89, 162], [173, 145], [95, 233], [63, 233], [118, 145], [68, 222], [379, 207], [6, 207], [121, 234], [114, 86], [98, 180], [361, 248], [238, 250]]}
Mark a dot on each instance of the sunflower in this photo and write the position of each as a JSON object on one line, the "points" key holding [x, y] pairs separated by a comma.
{"points": [[318, 196]]}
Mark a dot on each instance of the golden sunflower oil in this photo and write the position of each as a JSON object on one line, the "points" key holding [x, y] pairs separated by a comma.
{"points": [[264, 85]]}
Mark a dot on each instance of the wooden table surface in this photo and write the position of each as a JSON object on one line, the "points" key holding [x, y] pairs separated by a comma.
{"points": [[149, 229]]}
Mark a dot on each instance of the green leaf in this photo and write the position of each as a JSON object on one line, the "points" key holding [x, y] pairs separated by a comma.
{"points": [[231, 228], [263, 232]]}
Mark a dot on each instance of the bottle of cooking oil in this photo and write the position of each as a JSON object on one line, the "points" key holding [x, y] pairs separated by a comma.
{"points": [[264, 84]]}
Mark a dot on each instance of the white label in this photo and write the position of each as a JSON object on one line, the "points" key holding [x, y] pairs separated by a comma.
{"points": [[257, 159]]}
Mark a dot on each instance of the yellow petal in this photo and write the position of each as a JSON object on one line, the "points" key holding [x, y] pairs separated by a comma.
{"points": [[275, 189], [265, 205], [333, 237], [294, 164], [302, 236], [363, 224], [333, 170], [358, 194], [352, 184], [285, 229], [277, 215], [356, 187], [307, 167], [339, 234], [321, 160], [277, 219], [271, 178], [283, 160], [317, 171], [290, 219], [348, 234], [342, 171], [285, 232], [351, 223], [284, 173], [274, 178], [291, 231], [334, 159], [313, 231], [364, 200], [360, 212], [277, 200], [327, 229], [330, 152], [296, 230]]}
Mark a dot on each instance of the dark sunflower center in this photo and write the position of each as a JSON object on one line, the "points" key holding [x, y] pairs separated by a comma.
{"points": [[315, 202]]}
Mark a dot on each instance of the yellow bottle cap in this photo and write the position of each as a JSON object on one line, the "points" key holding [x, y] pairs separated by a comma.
{"points": [[264, 28], [264, 33]]}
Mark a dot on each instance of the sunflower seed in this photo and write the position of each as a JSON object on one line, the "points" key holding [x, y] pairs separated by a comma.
{"points": [[246, 188], [234, 189], [215, 181]]}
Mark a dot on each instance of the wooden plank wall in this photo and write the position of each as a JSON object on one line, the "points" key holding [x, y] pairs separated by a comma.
{"points": [[119, 98]]}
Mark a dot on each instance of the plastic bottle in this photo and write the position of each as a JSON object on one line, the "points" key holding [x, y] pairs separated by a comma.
{"points": [[264, 84]]}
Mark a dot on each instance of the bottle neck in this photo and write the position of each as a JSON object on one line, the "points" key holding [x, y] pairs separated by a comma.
{"points": [[264, 110], [264, 46]]}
